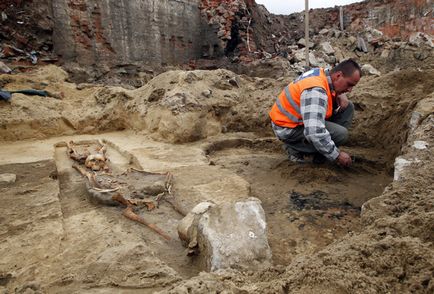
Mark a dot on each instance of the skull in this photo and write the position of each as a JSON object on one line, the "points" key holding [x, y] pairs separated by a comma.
{"points": [[96, 162]]}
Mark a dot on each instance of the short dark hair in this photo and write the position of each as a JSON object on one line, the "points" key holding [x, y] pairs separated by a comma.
{"points": [[347, 67]]}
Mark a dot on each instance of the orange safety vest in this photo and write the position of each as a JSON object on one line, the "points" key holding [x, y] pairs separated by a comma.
{"points": [[286, 110]]}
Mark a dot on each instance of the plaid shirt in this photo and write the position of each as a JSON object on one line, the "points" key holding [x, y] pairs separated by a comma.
{"points": [[313, 111]]}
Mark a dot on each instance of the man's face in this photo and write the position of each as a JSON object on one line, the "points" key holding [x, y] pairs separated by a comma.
{"points": [[344, 84]]}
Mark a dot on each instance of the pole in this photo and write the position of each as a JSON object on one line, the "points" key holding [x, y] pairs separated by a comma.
{"points": [[306, 31], [341, 17]]}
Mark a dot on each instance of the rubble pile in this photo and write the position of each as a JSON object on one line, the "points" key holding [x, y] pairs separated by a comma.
{"points": [[259, 43], [232, 20], [25, 34]]}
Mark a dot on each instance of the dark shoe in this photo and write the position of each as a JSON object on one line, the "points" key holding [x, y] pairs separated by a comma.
{"points": [[293, 155], [319, 159], [297, 158]]}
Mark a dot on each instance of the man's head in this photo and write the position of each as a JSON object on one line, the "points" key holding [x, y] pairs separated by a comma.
{"points": [[345, 76]]}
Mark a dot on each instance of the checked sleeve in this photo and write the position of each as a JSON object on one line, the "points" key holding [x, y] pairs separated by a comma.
{"points": [[313, 111]]}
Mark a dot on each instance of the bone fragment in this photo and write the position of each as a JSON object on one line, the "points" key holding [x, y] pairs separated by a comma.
{"points": [[129, 213]]}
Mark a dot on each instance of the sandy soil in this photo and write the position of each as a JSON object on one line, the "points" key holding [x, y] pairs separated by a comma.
{"points": [[344, 230]]}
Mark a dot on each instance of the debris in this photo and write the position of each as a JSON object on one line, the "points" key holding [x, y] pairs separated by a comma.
{"points": [[368, 69], [324, 32], [8, 178], [361, 45], [207, 93], [420, 145], [385, 53], [302, 43], [4, 68], [327, 48]]}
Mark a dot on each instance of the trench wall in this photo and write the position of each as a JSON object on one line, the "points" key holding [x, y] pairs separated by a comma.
{"points": [[129, 31]]}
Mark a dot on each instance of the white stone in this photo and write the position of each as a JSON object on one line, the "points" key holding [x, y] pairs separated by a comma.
{"points": [[415, 120], [327, 48], [370, 70], [302, 42], [376, 33], [420, 145], [8, 178], [229, 235], [400, 165], [207, 93], [324, 32], [202, 207]]}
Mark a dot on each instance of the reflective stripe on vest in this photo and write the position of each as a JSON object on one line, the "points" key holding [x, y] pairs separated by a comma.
{"points": [[286, 111], [291, 101]]}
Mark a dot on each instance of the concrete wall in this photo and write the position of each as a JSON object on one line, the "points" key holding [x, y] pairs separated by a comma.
{"points": [[129, 31]]}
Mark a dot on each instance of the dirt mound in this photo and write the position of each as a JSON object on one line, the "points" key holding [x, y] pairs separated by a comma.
{"points": [[384, 107]]}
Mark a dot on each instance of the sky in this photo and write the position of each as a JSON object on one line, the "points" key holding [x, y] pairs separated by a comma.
{"points": [[291, 6]]}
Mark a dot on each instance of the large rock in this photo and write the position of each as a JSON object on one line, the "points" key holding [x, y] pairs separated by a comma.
{"points": [[302, 42], [8, 178], [230, 235], [368, 69], [327, 48]]}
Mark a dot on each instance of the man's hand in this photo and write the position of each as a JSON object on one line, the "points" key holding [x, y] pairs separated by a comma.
{"points": [[344, 159], [342, 101]]}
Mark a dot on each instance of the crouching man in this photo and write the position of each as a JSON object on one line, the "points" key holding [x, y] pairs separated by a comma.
{"points": [[312, 114]]}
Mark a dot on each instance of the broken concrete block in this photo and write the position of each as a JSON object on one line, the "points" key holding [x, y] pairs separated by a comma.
{"points": [[8, 178], [361, 45], [337, 33], [314, 61], [385, 53], [324, 32], [327, 48], [375, 33], [330, 59], [339, 55], [207, 93], [302, 42], [230, 235], [420, 145], [400, 165], [368, 69], [352, 40]]}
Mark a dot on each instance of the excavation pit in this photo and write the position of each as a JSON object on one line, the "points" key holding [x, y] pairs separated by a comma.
{"points": [[312, 212], [307, 206]]}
